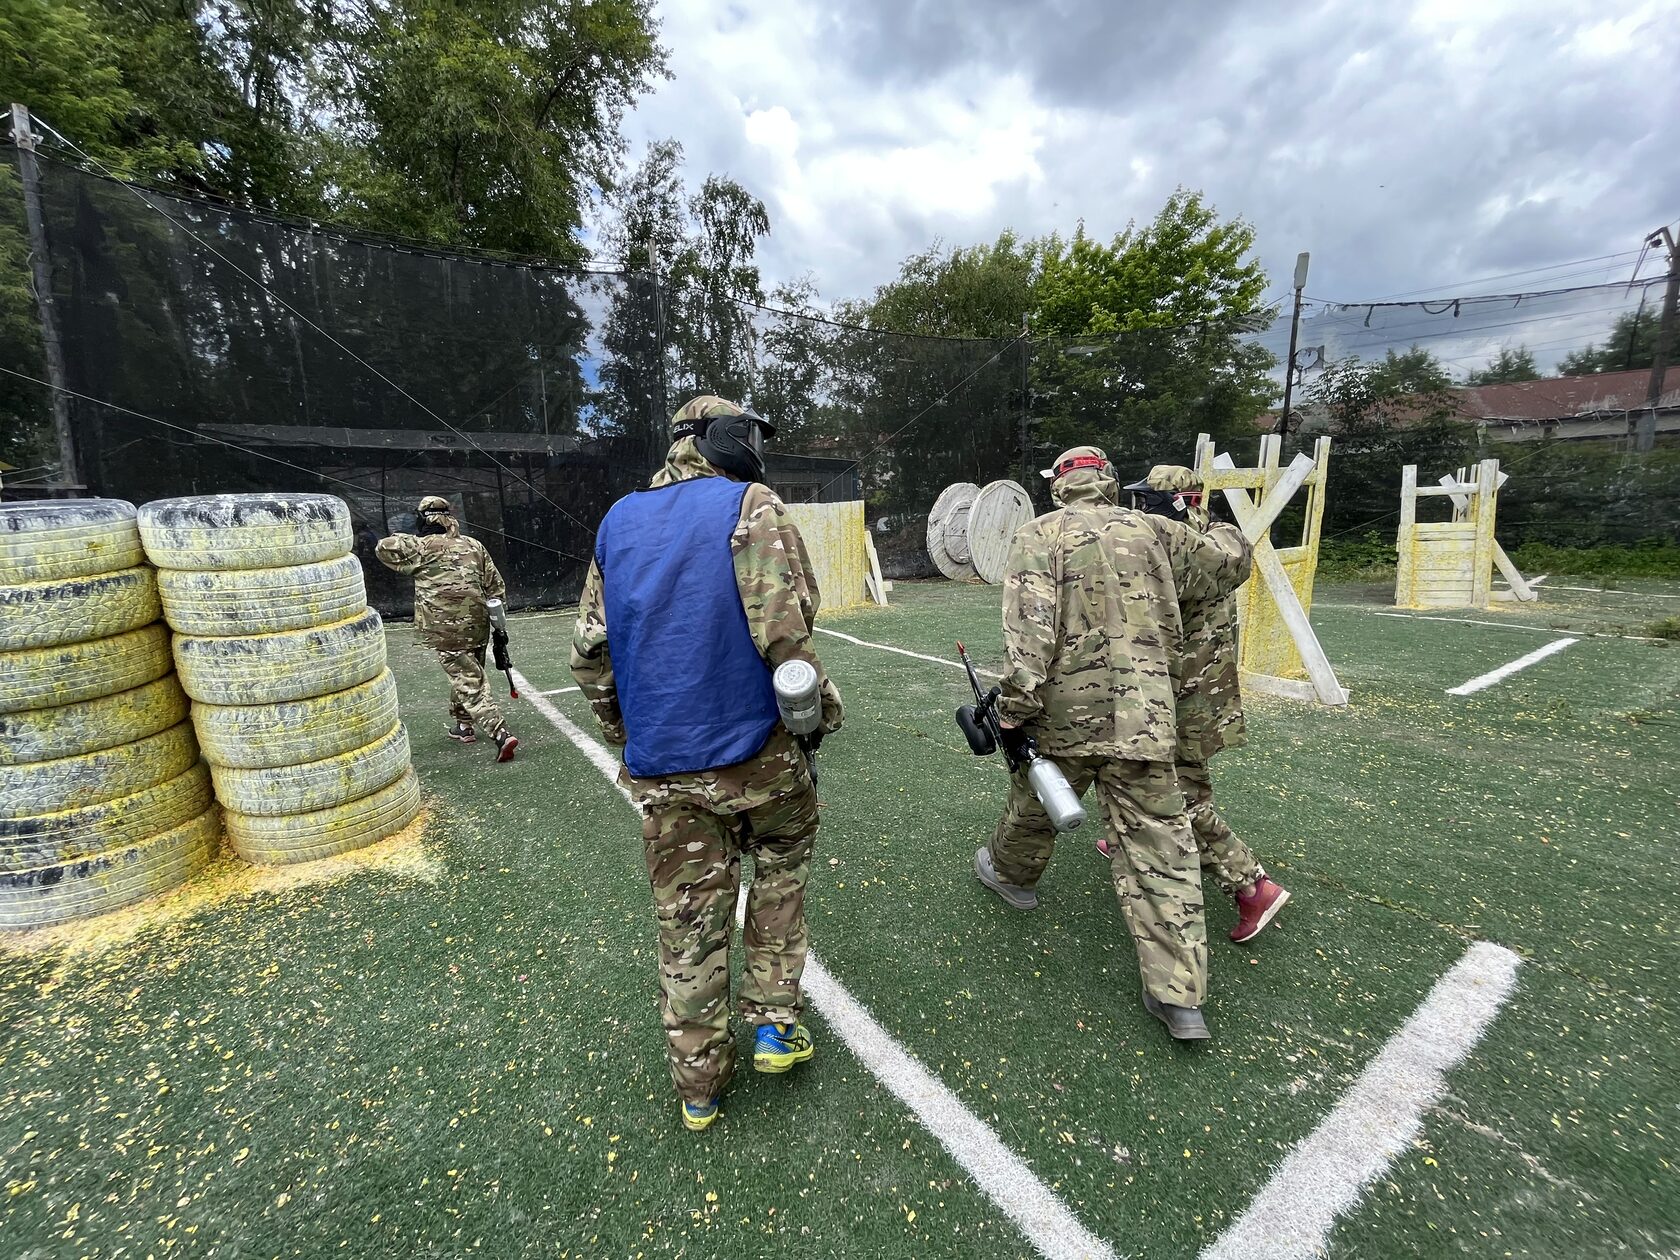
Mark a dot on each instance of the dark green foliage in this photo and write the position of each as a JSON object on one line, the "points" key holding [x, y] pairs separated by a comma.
{"points": [[1507, 366], [1632, 343]]}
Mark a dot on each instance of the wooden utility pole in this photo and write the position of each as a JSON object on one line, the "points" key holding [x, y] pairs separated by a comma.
{"points": [[40, 267], [1301, 261], [1645, 432]]}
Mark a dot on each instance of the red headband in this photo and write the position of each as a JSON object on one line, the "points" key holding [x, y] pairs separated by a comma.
{"points": [[1080, 461]]}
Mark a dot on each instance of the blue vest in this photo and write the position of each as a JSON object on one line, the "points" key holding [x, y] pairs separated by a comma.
{"points": [[694, 691]]}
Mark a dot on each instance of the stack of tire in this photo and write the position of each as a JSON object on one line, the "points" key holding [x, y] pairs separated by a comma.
{"points": [[103, 798], [285, 665]]}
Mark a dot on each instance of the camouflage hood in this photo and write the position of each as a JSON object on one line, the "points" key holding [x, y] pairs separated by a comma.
{"points": [[1085, 484], [683, 462]]}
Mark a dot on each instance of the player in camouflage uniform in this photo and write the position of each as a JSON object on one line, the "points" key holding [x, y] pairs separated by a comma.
{"points": [[1210, 715], [453, 577], [677, 664], [1092, 628]]}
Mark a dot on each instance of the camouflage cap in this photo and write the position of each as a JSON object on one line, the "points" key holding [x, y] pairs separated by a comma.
{"points": [[434, 503], [1173, 478], [691, 416], [1077, 457]]}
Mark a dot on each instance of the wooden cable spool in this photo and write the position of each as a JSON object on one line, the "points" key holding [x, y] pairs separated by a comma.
{"points": [[947, 523], [970, 529]]}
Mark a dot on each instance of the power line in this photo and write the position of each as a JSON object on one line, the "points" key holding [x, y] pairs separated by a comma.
{"points": [[1509, 275], [198, 435]]}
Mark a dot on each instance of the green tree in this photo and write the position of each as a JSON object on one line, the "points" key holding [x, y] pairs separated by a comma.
{"points": [[712, 333], [974, 291], [1632, 344], [1144, 337], [1508, 366], [484, 125], [1415, 371]]}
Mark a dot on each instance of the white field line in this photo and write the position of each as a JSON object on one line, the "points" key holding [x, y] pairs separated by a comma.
{"points": [[1499, 625], [558, 691], [1376, 1120], [882, 647], [1053, 1230], [1599, 590], [1483, 681]]}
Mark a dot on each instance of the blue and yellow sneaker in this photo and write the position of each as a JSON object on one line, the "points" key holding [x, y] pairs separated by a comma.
{"points": [[697, 1116], [779, 1048]]}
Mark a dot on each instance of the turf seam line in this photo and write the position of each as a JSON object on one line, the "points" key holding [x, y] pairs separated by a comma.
{"points": [[1379, 1117], [1047, 1222], [1483, 681]]}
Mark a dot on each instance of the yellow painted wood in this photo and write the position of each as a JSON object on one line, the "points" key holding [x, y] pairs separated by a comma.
{"points": [[1450, 564], [836, 540]]}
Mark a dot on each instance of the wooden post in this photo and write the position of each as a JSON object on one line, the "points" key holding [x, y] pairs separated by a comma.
{"points": [[1481, 507], [40, 265], [1405, 569]]}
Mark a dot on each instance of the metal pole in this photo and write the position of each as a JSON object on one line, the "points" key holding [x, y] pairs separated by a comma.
{"points": [[1645, 434], [1294, 332], [1026, 371], [40, 266]]}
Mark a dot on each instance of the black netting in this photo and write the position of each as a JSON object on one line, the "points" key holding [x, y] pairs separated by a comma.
{"points": [[229, 351]]}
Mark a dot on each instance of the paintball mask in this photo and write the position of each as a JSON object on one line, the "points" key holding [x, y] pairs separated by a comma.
{"points": [[733, 443], [432, 514], [1169, 490]]}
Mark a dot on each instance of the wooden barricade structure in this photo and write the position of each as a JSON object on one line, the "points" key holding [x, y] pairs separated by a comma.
{"points": [[1279, 653], [1450, 564], [842, 553]]}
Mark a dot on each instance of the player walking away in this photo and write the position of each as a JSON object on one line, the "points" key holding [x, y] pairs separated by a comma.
{"points": [[1090, 624], [1210, 714], [700, 587], [454, 577]]}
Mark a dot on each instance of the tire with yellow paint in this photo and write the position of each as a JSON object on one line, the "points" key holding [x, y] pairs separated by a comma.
{"points": [[73, 610], [243, 601], [90, 725], [41, 678], [72, 834], [49, 540], [324, 833], [315, 785], [258, 736], [285, 665], [40, 896], [46, 787], [245, 531]]}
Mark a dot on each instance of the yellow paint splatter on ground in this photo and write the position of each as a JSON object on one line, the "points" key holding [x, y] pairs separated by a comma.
{"points": [[227, 880]]}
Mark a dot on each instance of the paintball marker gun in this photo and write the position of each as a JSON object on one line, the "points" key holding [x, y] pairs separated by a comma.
{"points": [[499, 642], [799, 701], [980, 725]]}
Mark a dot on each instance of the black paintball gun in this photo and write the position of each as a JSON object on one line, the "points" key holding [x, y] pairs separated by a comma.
{"points": [[984, 732], [499, 642]]}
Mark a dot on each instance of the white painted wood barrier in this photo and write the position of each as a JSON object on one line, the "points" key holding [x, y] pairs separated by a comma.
{"points": [[1450, 564]]}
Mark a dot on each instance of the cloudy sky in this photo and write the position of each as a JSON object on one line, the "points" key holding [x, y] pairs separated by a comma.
{"points": [[1409, 146]]}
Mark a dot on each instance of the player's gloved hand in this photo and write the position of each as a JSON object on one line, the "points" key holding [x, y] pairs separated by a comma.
{"points": [[1016, 741]]}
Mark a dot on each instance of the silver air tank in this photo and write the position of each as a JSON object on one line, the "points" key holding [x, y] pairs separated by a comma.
{"points": [[498, 614], [1051, 787], [799, 696]]}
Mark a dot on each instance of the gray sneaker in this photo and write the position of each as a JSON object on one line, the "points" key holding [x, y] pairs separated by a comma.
{"points": [[1185, 1023], [1012, 894]]}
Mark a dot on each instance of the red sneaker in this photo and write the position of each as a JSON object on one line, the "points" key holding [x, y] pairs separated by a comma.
{"points": [[505, 744], [1256, 907]]}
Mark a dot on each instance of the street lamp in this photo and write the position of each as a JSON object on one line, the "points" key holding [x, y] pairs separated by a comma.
{"points": [[1301, 261]]}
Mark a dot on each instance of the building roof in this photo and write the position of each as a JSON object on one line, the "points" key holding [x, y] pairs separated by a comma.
{"points": [[1566, 397]]}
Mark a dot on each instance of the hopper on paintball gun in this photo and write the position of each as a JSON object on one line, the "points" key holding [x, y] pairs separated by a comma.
{"points": [[982, 728]]}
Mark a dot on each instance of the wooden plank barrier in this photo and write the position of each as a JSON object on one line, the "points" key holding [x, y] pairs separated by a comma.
{"points": [[1450, 564]]}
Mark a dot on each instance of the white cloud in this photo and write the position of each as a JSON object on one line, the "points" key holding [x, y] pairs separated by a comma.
{"points": [[1405, 146]]}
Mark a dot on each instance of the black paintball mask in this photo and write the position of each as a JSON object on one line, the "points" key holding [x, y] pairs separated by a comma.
{"points": [[733, 444], [1173, 504]]}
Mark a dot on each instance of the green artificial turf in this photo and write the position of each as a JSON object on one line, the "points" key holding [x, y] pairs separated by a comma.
{"points": [[469, 1060]]}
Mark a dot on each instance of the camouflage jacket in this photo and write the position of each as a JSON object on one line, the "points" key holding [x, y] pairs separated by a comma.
{"points": [[780, 596], [1091, 621], [453, 577], [1210, 709]]}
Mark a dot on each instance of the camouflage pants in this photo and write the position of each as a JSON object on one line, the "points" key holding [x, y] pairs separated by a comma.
{"points": [[694, 865], [1223, 854], [469, 691], [1154, 867]]}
